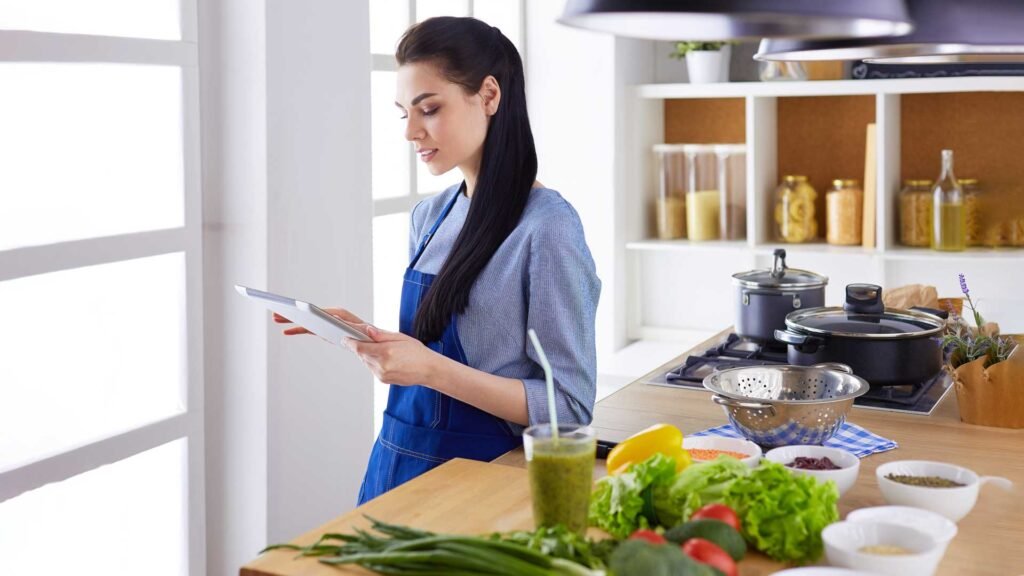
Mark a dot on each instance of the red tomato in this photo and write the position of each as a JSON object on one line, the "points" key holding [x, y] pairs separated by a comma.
{"points": [[648, 535], [709, 553], [719, 512]]}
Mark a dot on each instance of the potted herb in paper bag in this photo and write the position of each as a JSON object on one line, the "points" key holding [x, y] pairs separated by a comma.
{"points": [[988, 369]]}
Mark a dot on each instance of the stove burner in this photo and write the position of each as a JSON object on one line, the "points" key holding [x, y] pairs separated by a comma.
{"points": [[736, 352]]}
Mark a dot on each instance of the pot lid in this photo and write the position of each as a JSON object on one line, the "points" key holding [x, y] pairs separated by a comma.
{"points": [[780, 276], [864, 317]]}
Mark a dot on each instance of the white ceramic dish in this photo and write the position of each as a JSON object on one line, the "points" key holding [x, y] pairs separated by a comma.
{"points": [[940, 528], [845, 477], [953, 503], [752, 450], [843, 541], [820, 571]]}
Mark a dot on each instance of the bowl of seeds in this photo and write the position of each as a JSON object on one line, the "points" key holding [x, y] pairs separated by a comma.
{"points": [[944, 488]]}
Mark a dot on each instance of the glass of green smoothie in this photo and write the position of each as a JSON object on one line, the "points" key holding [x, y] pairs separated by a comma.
{"points": [[561, 474]]}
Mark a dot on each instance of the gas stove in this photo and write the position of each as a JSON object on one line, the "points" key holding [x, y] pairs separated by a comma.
{"points": [[920, 398]]}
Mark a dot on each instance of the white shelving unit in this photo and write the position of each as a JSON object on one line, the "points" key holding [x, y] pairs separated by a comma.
{"points": [[679, 285]]}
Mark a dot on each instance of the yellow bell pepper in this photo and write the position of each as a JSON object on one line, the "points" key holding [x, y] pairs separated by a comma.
{"points": [[663, 438]]}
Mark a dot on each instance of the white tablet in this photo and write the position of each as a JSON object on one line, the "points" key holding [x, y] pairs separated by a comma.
{"points": [[307, 315]]}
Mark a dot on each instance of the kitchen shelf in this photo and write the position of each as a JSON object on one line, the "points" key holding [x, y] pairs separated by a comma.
{"points": [[830, 87], [817, 128]]}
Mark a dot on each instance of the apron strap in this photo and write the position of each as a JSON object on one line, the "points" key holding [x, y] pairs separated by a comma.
{"points": [[437, 224]]}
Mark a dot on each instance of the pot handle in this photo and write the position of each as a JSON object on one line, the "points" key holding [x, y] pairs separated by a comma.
{"points": [[864, 299], [733, 403], [999, 481], [834, 366], [933, 311], [803, 342]]}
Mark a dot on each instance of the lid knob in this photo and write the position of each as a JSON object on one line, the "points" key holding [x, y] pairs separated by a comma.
{"points": [[864, 299], [779, 264]]}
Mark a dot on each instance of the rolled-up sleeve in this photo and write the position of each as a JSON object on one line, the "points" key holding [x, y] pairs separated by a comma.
{"points": [[563, 292]]}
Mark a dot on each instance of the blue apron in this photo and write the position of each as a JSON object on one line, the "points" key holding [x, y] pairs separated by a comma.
{"points": [[424, 428]]}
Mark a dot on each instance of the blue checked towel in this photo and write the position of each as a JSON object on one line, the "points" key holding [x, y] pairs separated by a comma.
{"points": [[849, 437]]}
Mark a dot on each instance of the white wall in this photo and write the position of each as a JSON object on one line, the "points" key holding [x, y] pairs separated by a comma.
{"points": [[286, 177], [571, 98]]}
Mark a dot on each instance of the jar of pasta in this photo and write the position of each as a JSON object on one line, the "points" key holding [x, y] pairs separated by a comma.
{"points": [[972, 209], [703, 198], [795, 220], [916, 213], [844, 211]]}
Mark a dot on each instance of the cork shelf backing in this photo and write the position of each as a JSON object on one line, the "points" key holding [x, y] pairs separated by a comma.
{"points": [[705, 121], [985, 130], [823, 138]]}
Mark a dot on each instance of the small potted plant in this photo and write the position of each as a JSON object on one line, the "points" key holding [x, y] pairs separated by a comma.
{"points": [[705, 61], [988, 369]]}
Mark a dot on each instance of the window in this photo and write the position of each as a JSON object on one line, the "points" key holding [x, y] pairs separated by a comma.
{"points": [[400, 181], [101, 431]]}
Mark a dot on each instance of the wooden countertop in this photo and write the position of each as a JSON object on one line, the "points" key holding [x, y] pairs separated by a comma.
{"points": [[470, 497]]}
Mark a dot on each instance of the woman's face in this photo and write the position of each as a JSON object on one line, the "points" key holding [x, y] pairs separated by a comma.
{"points": [[445, 124]]}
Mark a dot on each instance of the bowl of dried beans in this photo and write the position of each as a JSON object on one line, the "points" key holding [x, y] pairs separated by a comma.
{"points": [[820, 462]]}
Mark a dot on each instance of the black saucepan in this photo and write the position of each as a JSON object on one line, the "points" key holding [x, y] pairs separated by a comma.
{"points": [[885, 346], [765, 297]]}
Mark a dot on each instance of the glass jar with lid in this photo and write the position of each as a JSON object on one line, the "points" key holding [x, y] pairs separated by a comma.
{"points": [[916, 213], [844, 210], [703, 198], [732, 181], [670, 205], [795, 219], [972, 210]]}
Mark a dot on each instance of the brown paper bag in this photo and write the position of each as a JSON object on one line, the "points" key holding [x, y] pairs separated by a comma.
{"points": [[911, 295], [992, 396]]}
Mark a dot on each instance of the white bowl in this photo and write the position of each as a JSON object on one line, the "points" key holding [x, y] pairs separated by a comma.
{"points": [[953, 503], [821, 571], [940, 528], [843, 541], [752, 450], [845, 477]]}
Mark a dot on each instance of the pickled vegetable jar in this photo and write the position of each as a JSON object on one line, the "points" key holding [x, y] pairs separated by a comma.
{"points": [[795, 220], [916, 213], [844, 208]]}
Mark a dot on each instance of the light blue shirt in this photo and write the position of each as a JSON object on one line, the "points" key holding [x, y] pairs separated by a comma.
{"points": [[541, 277]]}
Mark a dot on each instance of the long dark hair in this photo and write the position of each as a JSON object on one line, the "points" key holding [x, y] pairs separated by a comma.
{"points": [[466, 51]]}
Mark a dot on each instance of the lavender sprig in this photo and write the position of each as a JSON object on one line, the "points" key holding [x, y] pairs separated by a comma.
{"points": [[978, 320]]}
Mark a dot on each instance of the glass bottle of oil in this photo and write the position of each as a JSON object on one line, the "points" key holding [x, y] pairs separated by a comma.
{"points": [[949, 216]]}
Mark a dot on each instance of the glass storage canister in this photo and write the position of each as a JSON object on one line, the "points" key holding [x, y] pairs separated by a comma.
{"points": [[703, 198], [795, 219], [844, 210], [916, 213], [670, 206], [732, 181], [948, 212], [972, 210]]}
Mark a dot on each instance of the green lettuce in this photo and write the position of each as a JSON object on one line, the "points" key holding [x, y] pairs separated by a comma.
{"points": [[782, 514], [617, 503], [697, 485]]}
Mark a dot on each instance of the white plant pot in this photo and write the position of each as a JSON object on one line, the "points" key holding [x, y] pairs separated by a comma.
{"points": [[706, 66]]}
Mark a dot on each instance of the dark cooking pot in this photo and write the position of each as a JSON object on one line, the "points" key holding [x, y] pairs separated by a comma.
{"points": [[884, 346], [765, 297]]}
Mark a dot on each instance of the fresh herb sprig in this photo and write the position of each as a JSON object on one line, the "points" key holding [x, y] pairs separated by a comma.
{"points": [[966, 343]]}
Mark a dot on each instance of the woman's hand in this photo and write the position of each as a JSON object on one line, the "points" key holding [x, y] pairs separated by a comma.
{"points": [[339, 313], [395, 358]]}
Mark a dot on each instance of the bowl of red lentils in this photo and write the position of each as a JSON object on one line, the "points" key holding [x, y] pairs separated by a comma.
{"points": [[705, 448]]}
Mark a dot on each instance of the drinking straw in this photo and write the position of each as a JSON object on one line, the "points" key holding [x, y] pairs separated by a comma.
{"points": [[552, 413]]}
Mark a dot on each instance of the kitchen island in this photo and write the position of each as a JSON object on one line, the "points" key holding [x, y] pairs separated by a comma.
{"points": [[469, 497]]}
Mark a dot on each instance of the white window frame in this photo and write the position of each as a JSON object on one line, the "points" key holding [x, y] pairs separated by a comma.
{"points": [[386, 63], [26, 46]]}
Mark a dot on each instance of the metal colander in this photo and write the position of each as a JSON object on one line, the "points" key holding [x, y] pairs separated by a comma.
{"points": [[784, 405]]}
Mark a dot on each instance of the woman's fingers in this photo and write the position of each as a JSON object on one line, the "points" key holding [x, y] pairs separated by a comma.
{"points": [[294, 331], [344, 315], [281, 319]]}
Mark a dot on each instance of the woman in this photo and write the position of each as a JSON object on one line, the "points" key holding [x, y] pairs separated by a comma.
{"points": [[490, 257]]}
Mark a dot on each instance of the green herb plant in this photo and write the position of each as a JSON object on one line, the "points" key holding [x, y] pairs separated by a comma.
{"points": [[686, 46], [966, 343]]}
